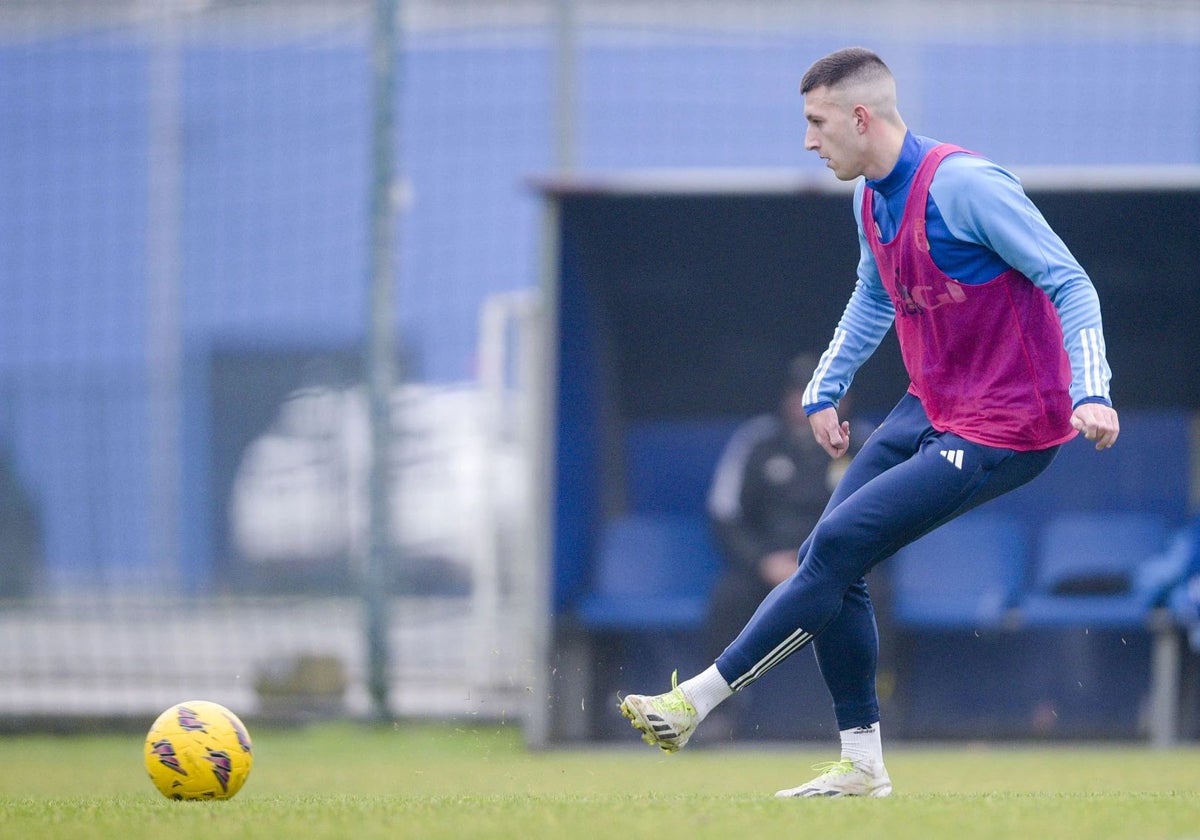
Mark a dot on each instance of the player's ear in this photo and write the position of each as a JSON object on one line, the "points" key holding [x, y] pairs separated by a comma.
{"points": [[862, 118]]}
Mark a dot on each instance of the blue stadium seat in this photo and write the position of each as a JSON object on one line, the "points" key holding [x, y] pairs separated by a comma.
{"points": [[1183, 597], [1098, 570], [965, 574], [669, 463], [1149, 471], [652, 572]]}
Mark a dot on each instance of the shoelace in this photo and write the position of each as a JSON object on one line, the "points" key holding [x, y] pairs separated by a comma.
{"points": [[834, 768], [676, 701]]}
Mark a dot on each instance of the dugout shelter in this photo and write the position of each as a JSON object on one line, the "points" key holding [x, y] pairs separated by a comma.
{"points": [[675, 299]]}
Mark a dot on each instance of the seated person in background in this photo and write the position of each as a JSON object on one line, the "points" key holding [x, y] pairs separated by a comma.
{"points": [[769, 488]]}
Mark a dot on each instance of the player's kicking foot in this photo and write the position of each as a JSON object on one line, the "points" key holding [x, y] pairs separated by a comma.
{"points": [[843, 778], [666, 721]]}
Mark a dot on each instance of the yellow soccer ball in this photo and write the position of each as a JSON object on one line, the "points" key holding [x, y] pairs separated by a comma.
{"points": [[198, 750]]}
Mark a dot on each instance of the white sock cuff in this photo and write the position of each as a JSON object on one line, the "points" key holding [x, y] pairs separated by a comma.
{"points": [[863, 744], [706, 690]]}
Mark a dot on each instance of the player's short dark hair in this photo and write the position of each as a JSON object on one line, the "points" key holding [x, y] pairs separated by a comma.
{"points": [[839, 66]]}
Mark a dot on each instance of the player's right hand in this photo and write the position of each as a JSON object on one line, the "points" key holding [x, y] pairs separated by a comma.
{"points": [[832, 435]]}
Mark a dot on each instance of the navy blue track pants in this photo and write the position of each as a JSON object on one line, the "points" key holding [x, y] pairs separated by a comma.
{"points": [[908, 479]]}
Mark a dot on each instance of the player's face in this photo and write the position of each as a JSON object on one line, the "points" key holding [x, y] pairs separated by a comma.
{"points": [[833, 134]]}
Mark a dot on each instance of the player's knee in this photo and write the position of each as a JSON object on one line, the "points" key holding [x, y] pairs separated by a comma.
{"points": [[834, 552], [820, 589]]}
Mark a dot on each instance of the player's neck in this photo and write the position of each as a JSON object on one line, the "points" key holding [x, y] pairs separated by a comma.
{"points": [[890, 144]]}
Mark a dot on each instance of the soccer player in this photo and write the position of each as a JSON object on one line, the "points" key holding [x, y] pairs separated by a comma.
{"points": [[1000, 331]]}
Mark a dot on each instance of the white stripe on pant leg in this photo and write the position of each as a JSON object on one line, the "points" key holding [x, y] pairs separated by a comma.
{"points": [[782, 651], [772, 659]]}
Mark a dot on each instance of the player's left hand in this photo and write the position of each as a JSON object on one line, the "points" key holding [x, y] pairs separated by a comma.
{"points": [[1098, 422]]}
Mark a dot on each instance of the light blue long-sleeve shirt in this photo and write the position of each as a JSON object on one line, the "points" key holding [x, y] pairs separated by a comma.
{"points": [[979, 223]]}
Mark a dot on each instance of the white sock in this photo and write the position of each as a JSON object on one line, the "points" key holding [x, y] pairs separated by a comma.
{"points": [[862, 745], [706, 690]]}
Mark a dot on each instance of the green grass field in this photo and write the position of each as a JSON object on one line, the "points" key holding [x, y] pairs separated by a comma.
{"points": [[347, 781]]}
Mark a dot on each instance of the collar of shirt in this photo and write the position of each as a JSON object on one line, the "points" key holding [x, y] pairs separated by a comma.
{"points": [[893, 187]]}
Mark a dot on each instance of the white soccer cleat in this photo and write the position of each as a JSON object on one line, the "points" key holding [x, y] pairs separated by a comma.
{"points": [[666, 721], [843, 778]]}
